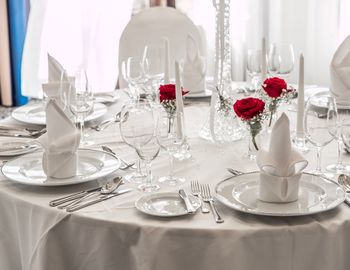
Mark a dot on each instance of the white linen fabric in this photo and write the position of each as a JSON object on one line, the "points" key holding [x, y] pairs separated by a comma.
{"points": [[340, 71], [280, 166], [114, 235], [149, 27], [60, 143]]}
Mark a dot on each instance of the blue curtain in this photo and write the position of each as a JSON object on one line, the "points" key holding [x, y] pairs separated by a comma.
{"points": [[18, 11]]}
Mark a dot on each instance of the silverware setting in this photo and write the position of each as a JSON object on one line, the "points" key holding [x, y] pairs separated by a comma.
{"points": [[127, 164], [21, 132], [183, 195], [85, 198], [205, 192], [195, 190]]}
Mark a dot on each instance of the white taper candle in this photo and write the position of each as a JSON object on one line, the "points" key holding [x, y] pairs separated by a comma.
{"points": [[263, 60], [179, 101], [166, 61], [300, 114]]}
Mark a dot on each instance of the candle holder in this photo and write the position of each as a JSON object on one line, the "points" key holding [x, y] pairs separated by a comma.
{"points": [[299, 143]]}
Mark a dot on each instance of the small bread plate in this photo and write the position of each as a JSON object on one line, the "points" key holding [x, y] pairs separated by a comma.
{"points": [[92, 164], [167, 204], [35, 114], [15, 147], [316, 195], [203, 94]]}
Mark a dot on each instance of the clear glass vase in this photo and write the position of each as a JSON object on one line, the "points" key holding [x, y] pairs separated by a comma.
{"points": [[254, 143]]}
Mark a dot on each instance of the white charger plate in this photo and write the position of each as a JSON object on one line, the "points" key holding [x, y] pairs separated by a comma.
{"points": [[35, 114], [316, 194], [92, 164], [205, 93], [167, 204], [13, 147]]}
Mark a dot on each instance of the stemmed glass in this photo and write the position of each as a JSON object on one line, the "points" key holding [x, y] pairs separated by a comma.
{"points": [[254, 68], [342, 114], [153, 66], [80, 100], [137, 176], [317, 125], [171, 137], [133, 73], [137, 127], [280, 59]]}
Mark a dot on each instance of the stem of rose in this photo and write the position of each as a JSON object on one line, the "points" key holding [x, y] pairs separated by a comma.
{"points": [[271, 116], [254, 143]]}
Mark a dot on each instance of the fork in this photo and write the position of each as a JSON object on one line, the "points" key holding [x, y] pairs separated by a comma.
{"points": [[195, 189], [205, 192]]}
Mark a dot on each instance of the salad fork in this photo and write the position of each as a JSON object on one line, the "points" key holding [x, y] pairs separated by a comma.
{"points": [[195, 189], [205, 192]]}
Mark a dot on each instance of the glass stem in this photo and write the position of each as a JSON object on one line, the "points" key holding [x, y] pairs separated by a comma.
{"points": [[149, 176], [171, 173], [340, 161], [138, 166], [318, 167], [81, 126]]}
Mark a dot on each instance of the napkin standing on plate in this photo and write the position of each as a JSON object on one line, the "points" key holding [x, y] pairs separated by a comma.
{"points": [[340, 71], [194, 69], [60, 87], [60, 143], [281, 166]]}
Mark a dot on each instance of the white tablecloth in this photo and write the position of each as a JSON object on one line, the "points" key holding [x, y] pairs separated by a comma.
{"points": [[114, 235]]}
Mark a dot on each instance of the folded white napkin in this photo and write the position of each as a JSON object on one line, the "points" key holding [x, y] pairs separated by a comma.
{"points": [[194, 68], [60, 143], [340, 71], [280, 166], [60, 87]]}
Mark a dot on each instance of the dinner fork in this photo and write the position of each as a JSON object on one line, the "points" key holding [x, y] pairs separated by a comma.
{"points": [[205, 192], [195, 189]]}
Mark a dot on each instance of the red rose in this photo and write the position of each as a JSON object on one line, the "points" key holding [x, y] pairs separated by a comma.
{"points": [[168, 92], [247, 108], [274, 86]]}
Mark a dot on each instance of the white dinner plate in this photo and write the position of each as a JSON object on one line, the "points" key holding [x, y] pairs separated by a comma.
{"points": [[204, 94], [322, 100], [106, 97], [35, 114], [92, 164], [13, 147], [316, 194], [167, 204]]}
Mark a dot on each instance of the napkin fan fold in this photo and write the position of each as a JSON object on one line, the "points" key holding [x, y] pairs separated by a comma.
{"points": [[60, 143], [280, 166]]}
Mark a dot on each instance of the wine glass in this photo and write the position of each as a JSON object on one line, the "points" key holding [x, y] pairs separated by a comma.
{"points": [[345, 134], [133, 73], [341, 115], [153, 66], [280, 59], [254, 68], [137, 127], [317, 125], [171, 137], [81, 101]]}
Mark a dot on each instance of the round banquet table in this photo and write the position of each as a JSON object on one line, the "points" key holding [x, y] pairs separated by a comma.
{"points": [[114, 235]]}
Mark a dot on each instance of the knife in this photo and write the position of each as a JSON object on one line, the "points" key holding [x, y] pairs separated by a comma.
{"points": [[99, 199], [72, 197], [189, 206]]}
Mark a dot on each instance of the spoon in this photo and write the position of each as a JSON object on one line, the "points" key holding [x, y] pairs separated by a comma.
{"points": [[106, 123], [127, 164], [107, 188], [344, 181]]}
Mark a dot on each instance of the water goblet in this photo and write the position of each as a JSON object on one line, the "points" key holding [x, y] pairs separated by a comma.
{"points": [[171, 137], [254, 68], [81, 101], [316, 127], [133, 73], [280, 59], [341, 116]]}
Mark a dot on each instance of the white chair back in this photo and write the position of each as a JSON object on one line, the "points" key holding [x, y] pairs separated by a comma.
{"points": [[149, 27]]}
